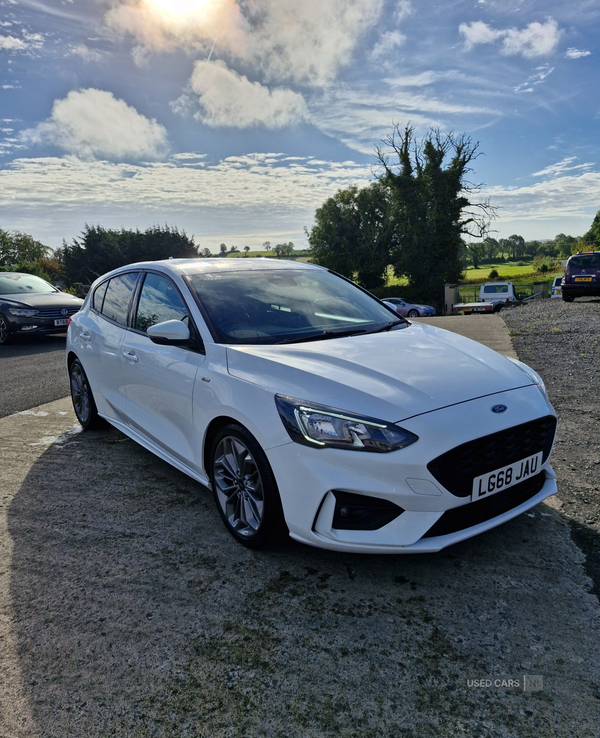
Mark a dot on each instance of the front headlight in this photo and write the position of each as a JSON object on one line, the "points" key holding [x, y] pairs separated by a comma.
{"points": [[320, 426], [532, 374], [20, 313]]}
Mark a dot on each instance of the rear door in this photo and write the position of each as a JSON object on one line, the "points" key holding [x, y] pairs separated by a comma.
{"points": [[159, 380], [101, 336]]}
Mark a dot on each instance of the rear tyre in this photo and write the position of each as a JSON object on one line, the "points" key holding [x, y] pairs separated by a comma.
{"points": [[413, 313], [245, 489], [567, 298], [83, 399], [5, 335]]}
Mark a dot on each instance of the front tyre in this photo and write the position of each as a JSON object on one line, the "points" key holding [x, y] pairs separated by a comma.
{"points": [[83, 400], [4, 331], [245, 488], [413, 313]]}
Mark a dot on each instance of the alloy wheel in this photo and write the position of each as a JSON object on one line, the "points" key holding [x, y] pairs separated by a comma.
{"points": [[80, 392], [238, 486]]}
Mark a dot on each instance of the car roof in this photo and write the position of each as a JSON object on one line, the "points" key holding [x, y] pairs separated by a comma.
{"points": [[202, 265]]}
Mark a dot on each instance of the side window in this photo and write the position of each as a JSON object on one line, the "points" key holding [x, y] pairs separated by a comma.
{"points": [[118, 297], [98, 297], [159, 301]]}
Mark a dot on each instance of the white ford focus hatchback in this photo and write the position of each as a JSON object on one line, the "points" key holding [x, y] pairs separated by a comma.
{"points": [[309, 406]]}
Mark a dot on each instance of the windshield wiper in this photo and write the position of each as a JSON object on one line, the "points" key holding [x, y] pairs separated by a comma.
{"points": [[324, 335], [390, 325]]}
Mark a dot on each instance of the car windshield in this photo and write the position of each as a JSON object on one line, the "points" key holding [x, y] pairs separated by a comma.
{"points": [[269, 306], [585, 261], [24, 284]]}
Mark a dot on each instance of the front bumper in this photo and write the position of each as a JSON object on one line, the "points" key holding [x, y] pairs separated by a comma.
{"points": [[21, 326], [309, 479]]}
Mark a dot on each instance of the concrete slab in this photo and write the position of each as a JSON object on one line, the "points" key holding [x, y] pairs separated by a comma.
{"points": [[490, 330]]}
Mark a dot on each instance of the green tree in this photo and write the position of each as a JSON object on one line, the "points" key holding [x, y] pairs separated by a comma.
{"points": [[206, 253], [99, 250], [353, 234], [591, 239], [432, 206], [477, 251], [246, 249], [492, 248], [223, 249], [516, 246], [18, 249], [267, 245]]}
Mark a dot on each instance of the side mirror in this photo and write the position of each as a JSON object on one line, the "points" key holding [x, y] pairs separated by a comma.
{"points": [[169, 333]]}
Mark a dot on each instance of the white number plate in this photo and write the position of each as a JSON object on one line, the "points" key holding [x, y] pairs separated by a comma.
{"points": [[492, 482], [61, 321]]}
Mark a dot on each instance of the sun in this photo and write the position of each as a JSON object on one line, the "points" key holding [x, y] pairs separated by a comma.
{"points": [[180, 7]]}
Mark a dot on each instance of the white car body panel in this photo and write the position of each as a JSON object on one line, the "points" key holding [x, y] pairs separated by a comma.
{"points": [[392, 375]]}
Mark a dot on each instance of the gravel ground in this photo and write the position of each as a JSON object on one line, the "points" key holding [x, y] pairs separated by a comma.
{"points": [[561, 341]]}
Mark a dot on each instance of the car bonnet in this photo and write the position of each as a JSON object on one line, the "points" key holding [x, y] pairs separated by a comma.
{"points": [[392, 375]]}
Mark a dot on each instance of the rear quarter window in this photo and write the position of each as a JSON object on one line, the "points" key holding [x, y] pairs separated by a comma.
{"points": [[118, 297], [98, 296]]}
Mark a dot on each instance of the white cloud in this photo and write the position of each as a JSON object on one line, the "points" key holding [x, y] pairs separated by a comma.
{"points": [[93, 123], [244, 199], [87, 54], [478, 33], [305, 41], [387, 44], [535, 79], [403, 9], [231, 100], [559, 200], [576, 53], [361, 117], [536, 39], [11, 43], [561, 167]]}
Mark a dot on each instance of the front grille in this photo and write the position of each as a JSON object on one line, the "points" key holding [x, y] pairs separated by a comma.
{"points": [[474, 513], [57, 312], [456, 469]]}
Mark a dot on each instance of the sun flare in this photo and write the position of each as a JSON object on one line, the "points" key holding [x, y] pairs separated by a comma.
{"points": [[180, 7]]}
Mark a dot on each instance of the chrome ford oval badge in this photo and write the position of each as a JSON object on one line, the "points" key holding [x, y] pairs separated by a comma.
{"points": [[499, 409]]}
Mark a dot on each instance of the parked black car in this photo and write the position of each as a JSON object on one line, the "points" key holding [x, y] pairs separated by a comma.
{"points": [[30, 305]]}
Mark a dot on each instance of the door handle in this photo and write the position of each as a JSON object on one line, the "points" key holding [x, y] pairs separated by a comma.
{"points": [[86, 336], [131, 357]]}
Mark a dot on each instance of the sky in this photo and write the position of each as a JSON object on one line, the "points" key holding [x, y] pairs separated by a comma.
{"points": [[234, 120]]}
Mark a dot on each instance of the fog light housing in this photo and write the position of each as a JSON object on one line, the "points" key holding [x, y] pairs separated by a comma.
{"points": [[360, 512]]}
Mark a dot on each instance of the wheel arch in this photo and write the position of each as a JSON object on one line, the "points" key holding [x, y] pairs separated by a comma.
{"points": [[214, 427]]}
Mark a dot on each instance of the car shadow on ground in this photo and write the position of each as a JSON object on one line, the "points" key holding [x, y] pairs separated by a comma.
{"points": [[135, 613], [27, 345]]}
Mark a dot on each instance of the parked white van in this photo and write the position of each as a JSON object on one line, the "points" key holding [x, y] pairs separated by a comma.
{"points": [[497, 292]]}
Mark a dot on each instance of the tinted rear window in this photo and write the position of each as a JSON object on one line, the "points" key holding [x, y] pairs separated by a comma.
{"points": [[495, 288], [585, 261]]}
